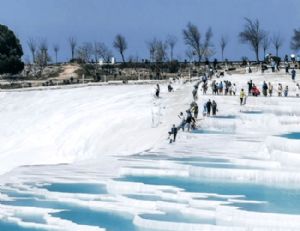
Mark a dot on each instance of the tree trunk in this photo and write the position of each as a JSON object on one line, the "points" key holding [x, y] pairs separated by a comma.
{"points": [[222, 54], [257, 54], [123, 59]]}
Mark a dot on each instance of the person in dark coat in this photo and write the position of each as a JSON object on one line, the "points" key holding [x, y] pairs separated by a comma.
{"points": [[188, 119], [173, 132], [265, 89], [250, 85], [208, 107], [293, 72], [214, 108], [157, 90]]}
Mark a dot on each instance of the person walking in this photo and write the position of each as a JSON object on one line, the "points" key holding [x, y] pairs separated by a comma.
{"points": [[287, 67], [208, 107], [242, 97], [214, 108], [270, 87], [195, 109], [173, 132], [195, 93], [279, 89], [170, 88], [220, 87], [286, 91], [293, 73], [233, 89], [204, 113], [265, 89], [182, 121], [188, 119], [250, 85], [157, 90]]}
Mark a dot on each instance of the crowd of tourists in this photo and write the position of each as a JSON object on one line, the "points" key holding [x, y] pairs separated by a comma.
{"points": [[188, 120], [219, 86]]}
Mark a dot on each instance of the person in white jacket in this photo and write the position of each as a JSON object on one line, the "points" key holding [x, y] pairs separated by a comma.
{"points": [[182, 121]]}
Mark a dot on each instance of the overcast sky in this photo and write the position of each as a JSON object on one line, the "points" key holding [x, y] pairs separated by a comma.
{"points": [[141, 20]]}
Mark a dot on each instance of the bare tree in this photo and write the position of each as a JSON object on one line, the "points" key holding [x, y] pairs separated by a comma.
{"points": [[171, 42], [102, 51], [192, 39], [56, 49], [32, 47], [151, 46], [121, 45], [42, 56], [266, 44], [295, 42], [85, 52], [73, 43], [253, 35], [207, 50], [277, 41], [223, 44], [158, 50], [96, 51], [191, 36], [160, 54]]}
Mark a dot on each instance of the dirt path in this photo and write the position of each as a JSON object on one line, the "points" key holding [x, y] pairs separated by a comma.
{"points": [[69, 71]]}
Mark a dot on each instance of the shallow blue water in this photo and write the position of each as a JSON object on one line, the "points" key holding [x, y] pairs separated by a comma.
{"points": [[110, 220], [225, 117], [200, 159], [181, 159], [217, 165], [144, 197], [12, 227], [34, 202], [178, 217], [293, 135], [76, 188], [253, 112], [280, 200], [204, 131]]}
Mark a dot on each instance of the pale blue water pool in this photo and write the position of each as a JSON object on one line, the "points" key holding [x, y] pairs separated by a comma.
{"points": [[208, 132], [225, 117], [254, 112], [86, 188], [181, 158], [178, 217], [217, 165], [112, 221], [199, 161], [5, 226], [279, 200]]}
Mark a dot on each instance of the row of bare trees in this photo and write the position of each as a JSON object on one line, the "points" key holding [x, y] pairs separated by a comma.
{"points": [[39, 49], [198, 46]]}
